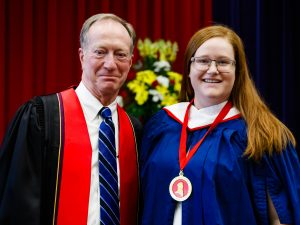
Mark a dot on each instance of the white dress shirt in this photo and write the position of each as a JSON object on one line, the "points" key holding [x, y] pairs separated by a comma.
{"points": [[91, 107]]}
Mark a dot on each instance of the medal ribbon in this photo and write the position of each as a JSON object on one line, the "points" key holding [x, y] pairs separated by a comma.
{"points": [[183, 158]]}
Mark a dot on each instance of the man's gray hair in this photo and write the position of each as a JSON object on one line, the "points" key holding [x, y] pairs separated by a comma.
{"points": [[103, 16]]}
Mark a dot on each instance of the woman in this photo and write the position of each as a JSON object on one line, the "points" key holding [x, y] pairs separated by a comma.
{"points": [[219, 156]]}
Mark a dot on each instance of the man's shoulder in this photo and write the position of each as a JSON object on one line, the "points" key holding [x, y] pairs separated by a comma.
{"points": [[50, 98], [136, 123]]}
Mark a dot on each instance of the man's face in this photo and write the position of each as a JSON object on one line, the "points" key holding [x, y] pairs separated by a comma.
{"points": [[106, 59]]}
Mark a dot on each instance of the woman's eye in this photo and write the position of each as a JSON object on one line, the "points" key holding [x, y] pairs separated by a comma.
{"points": [[223, 62], [203, 61]]}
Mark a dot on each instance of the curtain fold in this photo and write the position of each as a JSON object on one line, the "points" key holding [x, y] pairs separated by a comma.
{"points": [[270, 31], [3, 62], [40, 39]]}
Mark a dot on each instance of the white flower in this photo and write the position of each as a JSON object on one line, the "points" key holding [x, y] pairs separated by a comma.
{"points": [[159, 65], [164, 81], [156, 96]]}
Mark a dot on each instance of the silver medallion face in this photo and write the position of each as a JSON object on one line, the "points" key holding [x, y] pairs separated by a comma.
{"points": [[180, 188]]}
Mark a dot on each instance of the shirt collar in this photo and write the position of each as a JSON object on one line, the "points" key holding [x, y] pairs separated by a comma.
{"points": [[91, 105]]}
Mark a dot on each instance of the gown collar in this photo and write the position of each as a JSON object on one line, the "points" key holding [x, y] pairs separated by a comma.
{"points": [[199, 118]]}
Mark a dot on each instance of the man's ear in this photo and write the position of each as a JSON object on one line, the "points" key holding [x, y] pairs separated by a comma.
{"points": [[81, 54], [131, 60]]}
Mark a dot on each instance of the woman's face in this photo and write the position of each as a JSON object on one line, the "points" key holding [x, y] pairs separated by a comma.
{"points": [[212, 73]]}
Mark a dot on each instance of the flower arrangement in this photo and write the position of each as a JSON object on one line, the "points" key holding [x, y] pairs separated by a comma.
{"points": [[154, 85]]}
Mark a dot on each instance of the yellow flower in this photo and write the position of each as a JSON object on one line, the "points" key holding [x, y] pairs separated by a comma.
{"points": [[146, 76], [133, 85], [147, 48], [164, 50], [140, 90], [177, 79], [167, 50], [169, 99], [175, 76], [163, 90], [141, 97]]}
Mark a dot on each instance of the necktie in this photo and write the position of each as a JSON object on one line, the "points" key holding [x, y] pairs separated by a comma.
{"points": [[108, 177]]}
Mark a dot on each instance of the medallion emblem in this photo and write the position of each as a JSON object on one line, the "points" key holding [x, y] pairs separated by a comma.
{"points": [[180, 188]]}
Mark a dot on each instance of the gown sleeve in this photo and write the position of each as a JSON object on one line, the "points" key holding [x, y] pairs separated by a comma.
{"points": [[151, 133], [279, 175], [20, 168]]}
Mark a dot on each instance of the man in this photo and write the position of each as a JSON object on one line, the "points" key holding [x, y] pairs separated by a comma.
{"points": [[50, 156]]}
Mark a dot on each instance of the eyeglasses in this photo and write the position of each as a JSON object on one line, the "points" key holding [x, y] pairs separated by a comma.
{"points": [[203, 64]]}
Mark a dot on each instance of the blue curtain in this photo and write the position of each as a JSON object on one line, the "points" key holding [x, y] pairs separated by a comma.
{"points": [[270, 31]]}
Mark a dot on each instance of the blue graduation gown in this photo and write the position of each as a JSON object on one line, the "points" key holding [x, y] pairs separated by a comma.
{"points": [[228, 188]]}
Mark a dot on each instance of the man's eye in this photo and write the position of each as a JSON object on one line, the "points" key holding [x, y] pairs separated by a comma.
{"points": [[99, 53], [121, 55]]}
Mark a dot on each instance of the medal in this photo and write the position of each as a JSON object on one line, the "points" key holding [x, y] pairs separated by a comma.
{"points": [[180, 188]]}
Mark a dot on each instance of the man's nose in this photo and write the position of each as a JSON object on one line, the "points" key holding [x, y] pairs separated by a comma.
{"points": [[109, 60]]}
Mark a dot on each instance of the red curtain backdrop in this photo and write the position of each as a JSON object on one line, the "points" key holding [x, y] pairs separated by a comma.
{"points": [[39, 40]]}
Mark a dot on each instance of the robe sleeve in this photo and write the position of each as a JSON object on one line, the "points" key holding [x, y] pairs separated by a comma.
{"points": [[20, 168], [138, 130], [151, 132], [279, 174]]}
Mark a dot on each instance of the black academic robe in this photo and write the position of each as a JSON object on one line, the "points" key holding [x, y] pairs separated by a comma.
{"points": [[28, 163]]}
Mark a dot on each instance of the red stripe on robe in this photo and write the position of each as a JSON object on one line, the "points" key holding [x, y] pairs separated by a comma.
{"points": [[128, 162], [76, 166]]}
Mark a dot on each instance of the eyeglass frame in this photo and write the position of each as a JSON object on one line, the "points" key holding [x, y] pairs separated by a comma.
{"points": [[217, 62]]}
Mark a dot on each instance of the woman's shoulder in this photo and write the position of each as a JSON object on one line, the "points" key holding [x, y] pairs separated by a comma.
{"points": [[159, 119]]}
